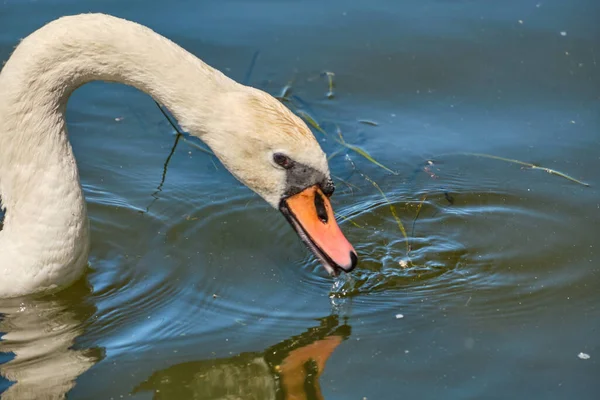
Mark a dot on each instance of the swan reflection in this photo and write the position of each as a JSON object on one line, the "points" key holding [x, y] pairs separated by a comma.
{"points": [[288, 370], [37, 338], [40, 358]]}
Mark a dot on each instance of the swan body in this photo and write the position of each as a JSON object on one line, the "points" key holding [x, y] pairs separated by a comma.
{"points": [[44, 244]]}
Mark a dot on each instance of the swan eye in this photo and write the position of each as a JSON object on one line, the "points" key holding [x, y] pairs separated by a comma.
{"points": [[282, 160]]}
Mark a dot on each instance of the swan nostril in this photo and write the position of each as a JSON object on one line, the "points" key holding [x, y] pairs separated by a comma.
{"points": [[320, 207]]}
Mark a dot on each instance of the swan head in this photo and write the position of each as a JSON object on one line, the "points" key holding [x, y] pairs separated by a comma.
{"points": [[274, 153]]}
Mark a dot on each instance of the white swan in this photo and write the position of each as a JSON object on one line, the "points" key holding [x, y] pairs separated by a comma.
{"points": [[45, 241]]}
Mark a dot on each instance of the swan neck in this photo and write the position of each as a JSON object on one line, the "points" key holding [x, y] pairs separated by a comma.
{"points": [[46, 220], [63, 55]]}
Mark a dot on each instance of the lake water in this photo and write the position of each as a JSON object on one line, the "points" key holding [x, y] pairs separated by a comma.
{"points": [[199, 289]]}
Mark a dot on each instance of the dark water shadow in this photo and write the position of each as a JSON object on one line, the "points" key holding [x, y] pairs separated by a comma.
{"points": [[39, 353], [287, 370], [4, 358]]}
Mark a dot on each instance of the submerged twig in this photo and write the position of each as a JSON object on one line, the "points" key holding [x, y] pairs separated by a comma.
{"points": [[178, 136], [181, 134], [167, 161], [449, 197]]}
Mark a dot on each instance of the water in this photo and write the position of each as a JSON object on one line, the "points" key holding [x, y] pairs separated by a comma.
{"points": [[200, 289]]}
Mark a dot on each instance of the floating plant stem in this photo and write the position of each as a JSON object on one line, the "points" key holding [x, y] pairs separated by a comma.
{"points": [[362, 152], [311, 121], [248, 75], [385, 198], [345, 182], [286, 91], [331, 85], [303, 103], [335, 153], [529, 165], [368, 122], [366, 155], [351, 221], [198, 147], [412, 233]]}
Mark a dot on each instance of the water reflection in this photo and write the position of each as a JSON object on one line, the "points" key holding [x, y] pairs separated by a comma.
{"points": [[287, 370], [38, 338]]}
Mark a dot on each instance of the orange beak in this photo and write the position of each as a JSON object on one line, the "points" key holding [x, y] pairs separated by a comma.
{"points": [[311, 215]]}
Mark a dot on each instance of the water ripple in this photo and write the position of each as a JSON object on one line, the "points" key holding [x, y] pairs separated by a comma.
{"points": [[453, 259]]}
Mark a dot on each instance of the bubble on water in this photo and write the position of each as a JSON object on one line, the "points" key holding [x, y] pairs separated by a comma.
{"points": [[583, 356]]}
